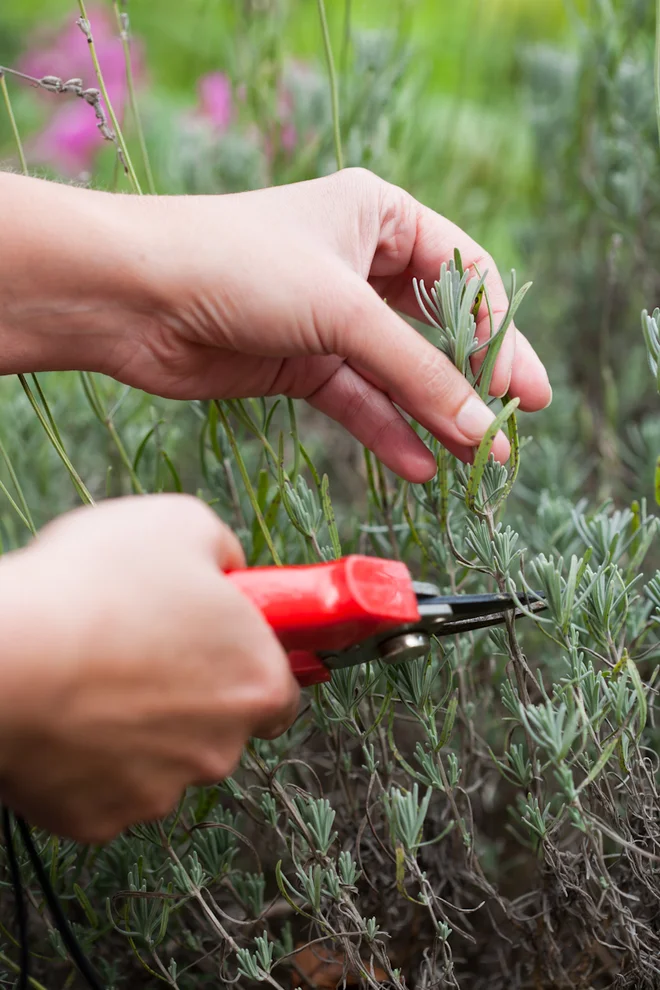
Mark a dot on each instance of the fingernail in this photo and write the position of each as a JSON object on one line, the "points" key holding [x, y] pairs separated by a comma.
{"points": [[501, 395], [550, 399], [473, 419], [503, 447]]}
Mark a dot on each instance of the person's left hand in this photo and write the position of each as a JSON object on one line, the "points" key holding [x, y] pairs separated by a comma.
{"points": [[281, 291], [276, 291]]}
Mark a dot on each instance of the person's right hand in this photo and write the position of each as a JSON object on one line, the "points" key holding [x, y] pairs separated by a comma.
{"points": [[131, 666]]}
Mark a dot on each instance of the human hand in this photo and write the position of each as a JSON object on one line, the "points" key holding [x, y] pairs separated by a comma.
{"points": [[281, 291], [131, 667], [275, 291]]}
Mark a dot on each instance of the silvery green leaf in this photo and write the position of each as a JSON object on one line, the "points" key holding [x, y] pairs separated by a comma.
{"points": [[319, 817], [348, 870], [269, 808], [251, 888], [535, 817], [651, 330], [406, 814]]}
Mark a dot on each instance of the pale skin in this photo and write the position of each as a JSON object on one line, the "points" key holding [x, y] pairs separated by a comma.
{"points": [[131, 667]]}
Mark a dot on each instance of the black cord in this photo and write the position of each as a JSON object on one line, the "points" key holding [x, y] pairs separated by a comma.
{"points": [[19, 901], [70, 941]]}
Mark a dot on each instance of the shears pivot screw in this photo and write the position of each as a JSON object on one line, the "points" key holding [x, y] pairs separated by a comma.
{"points": [[407, 646]]}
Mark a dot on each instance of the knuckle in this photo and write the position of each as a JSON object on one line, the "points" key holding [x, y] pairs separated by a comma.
{"points": [[382, 431], [440, 381], [356, 401], [156, 800], [159, 806], [279, 692], [192, 514], [398, 225], [97, 833], [358, 176], [351, 318], [197, 511]]}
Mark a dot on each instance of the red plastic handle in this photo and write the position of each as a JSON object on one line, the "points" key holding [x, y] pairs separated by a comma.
{"points": [[329, 607], [308, 669]]}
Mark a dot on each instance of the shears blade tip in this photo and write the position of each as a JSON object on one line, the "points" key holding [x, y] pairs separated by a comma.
{"points": [[466, 613]]}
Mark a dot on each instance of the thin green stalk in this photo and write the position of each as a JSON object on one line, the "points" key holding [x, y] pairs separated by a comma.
{"points": [[58, 443], [233, 443], [123, 453], [483, 453], [24, 512], [47, 410], [329, 516], [128, 164], [497, 339], [5, 491], [94, 399], [368, 463], [123, 24], [407, 515], [295, 470], [14, 125], [346, 40], [64, 457], [334, 90], [6, 961], [241, 413], [152, 972], [443, 471], [514, 459]]}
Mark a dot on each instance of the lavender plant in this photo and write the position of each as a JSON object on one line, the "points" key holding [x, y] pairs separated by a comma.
{"points": [[487, 816]]}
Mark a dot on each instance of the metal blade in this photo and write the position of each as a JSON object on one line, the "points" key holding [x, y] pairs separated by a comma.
{"points": [[439, 616], [471, 623]]}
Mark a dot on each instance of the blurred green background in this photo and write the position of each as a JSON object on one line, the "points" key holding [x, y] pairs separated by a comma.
{"points": [[530, 124], [464, 56]]}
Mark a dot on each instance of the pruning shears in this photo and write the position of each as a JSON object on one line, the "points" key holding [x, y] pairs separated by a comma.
{"points": [[351, 611]]}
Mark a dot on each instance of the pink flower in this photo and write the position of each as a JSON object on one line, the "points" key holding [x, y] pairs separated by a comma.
{"points": [[289, 137], [299, 75], [288, 132], [67, 53], [216, 100], [71, 137]]}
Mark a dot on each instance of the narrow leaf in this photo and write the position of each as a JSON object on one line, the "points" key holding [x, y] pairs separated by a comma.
{"points": [[483, 452], [329, 515]]}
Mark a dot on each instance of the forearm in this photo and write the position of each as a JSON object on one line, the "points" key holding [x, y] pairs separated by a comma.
{"points": [[68, 275]]}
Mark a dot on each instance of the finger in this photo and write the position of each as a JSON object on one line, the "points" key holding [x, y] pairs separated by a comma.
{"points": [[429, 242], [277, 727], [230, 553], [283, 714], [505, 363], [529, 381], [417, 376], [460, 451], [369, 415]]}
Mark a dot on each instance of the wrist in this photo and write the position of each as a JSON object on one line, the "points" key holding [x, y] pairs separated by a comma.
{"points": [[71, 288]]}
